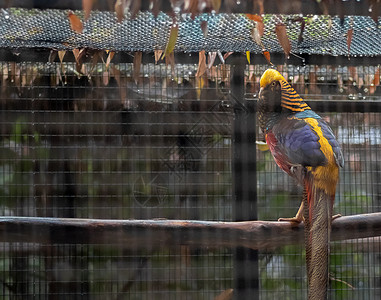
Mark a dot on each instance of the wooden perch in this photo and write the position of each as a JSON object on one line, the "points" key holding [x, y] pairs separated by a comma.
{"points": [[154, 233]]}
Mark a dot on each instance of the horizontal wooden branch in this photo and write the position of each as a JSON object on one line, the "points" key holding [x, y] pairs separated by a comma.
{"points": [[147, 234]]}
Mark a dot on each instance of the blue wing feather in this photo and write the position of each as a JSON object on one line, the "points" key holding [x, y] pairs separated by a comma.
{"points": [[299, 144], [327, 132]]}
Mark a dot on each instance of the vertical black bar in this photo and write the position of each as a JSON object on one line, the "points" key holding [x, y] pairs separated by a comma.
{"points": [[246, 273]]}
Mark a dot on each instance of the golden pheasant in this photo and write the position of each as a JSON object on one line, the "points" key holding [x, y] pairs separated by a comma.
{"points": [[304, 146]]}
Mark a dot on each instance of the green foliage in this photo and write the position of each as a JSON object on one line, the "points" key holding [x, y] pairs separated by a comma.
{"points": [[280, 199], [17, 156], [356, 202]]}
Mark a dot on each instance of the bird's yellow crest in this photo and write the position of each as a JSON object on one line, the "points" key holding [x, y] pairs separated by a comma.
{"points": [[269, 76], [291, 100]]}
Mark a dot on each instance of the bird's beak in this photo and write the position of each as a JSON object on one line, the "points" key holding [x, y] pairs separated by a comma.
{"points": [[260, 91]]}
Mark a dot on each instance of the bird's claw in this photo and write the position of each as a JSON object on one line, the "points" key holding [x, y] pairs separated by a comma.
{"points": [[292, 220], [336, 217]]}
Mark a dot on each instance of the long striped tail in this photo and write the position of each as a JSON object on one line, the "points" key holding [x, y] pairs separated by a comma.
{"points": [[317, 218]]}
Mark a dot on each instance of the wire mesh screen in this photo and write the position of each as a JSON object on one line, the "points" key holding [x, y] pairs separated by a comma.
{"points": [[118, 144], [114, 146]]}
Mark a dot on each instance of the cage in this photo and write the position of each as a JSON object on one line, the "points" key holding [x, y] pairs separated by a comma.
{"points": [[131, 161]]}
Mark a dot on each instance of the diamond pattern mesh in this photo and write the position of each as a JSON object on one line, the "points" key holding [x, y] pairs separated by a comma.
{"points": [[22, 28]]}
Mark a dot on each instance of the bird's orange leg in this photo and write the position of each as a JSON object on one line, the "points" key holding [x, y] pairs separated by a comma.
{"points": [[298, 217]]}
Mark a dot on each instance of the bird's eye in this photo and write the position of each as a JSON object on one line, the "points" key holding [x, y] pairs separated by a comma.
{"points": [[273, 83]]}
